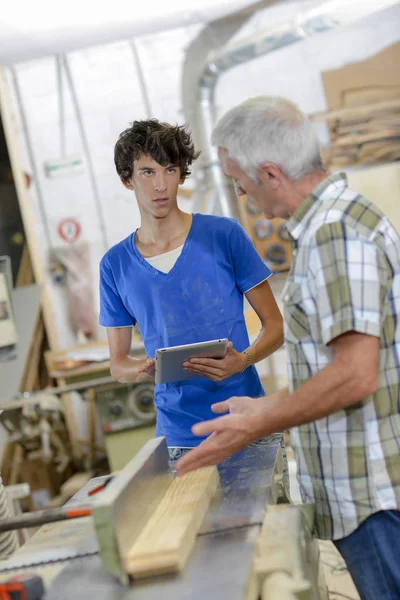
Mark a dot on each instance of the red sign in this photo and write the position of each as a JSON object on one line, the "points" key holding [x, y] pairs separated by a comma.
{"points": [[69, 229]]}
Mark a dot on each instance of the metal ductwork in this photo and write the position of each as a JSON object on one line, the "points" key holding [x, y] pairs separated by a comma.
{"points": [[324, 17], [213, 36]]}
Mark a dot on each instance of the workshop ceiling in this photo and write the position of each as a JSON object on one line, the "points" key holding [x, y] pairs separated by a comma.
{"points": [[29, 30]]}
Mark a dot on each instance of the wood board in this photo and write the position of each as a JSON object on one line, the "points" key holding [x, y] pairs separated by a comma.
{"points": [[165, 543], [364, 111], [18, 166]]}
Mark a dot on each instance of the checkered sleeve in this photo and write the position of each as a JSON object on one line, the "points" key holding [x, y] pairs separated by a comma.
{"points": [[347, 282]]}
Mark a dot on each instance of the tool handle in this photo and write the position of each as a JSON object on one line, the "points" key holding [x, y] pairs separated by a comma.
{"points": [[35, 519]]}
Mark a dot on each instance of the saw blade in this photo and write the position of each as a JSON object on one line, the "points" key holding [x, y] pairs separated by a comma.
{"points": [[57, 542], [46, 558]]}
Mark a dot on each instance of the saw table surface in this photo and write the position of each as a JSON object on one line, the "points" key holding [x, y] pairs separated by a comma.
{"points": [[218, 567]]}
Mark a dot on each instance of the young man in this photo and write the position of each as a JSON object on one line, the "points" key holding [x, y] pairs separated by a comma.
{"points": [[182, 278], [342, 333]]}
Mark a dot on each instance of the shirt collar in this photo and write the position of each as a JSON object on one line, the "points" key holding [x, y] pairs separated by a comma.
{"points": [[300, 219]]}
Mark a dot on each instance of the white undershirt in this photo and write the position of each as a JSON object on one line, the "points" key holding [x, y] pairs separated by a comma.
{"points": [[165, 262]]}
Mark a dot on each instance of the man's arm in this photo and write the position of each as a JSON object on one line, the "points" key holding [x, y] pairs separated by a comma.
{"points": [[269, 339], [125, 368], [351, 377], [348, 379]]}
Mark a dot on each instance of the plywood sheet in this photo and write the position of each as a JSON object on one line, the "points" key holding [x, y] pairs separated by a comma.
{"points": [[364, 82]]}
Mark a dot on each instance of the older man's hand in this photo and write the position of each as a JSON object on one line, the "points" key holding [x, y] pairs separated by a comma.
{"points": [[229, 434]]}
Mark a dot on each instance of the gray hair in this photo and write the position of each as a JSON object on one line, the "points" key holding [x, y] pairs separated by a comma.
{"points": [[269, 129]]}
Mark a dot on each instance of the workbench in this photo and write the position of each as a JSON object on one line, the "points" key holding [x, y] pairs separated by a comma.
{"points": [[219, 566], [119, 445]]}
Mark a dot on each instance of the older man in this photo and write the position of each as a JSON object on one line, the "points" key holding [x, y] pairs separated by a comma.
{"points": [[342, 332]]}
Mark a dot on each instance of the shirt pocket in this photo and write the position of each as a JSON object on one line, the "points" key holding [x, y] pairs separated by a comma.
{"points": [[295, 317]]}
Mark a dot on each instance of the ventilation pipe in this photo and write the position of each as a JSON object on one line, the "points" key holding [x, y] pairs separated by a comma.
{"points": [[212, 37], [324, 17]]}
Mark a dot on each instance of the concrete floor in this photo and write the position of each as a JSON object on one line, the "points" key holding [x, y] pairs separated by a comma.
{"points": [[339, 582]]}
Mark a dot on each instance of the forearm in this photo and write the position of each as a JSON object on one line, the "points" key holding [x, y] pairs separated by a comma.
{"points": [[329, 391], [125, 369], [267, 342]]}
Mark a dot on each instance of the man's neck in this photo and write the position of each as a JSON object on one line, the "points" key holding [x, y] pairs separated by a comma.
{"points": [[303, 188], [156, 236]]}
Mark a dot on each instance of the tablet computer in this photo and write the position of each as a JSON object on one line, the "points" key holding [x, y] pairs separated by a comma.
{"points": [[169, 361]]}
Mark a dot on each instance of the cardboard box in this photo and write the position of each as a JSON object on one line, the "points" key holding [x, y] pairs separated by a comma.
{"points": [[371, 90], [372, 80]]}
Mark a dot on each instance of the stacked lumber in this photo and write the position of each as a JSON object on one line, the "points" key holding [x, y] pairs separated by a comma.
{"points": [[362, 135]]}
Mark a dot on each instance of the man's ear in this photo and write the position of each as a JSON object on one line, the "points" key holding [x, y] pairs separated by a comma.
{"points": [[128, 184], [270, 174], [182, 180]]}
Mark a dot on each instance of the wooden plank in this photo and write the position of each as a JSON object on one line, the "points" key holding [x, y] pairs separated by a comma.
{"points": [[342, 113], [388, 150], [165, 543], [25, 271], [32, 368], [6, 460], [26, 206], [91, 393], [71, 425], [15, 470], [92, 368], [60, 357], [346, 126], [381, 134]]}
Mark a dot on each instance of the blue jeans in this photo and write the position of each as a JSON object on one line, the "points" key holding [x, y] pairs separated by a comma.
{"points": [[372, 555], [176, 452]]}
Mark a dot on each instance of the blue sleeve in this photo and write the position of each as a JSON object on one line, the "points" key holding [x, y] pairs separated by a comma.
{"points": [[112, 310], [250, 269]]}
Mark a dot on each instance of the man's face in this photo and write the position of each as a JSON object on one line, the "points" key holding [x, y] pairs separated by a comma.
{"points": [[155, 186], [244, 185]]}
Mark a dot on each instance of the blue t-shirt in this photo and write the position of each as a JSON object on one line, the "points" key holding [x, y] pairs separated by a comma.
{"points": [[200, 299]]}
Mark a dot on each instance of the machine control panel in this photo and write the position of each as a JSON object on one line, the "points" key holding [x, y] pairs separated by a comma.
{"points": [[126, 406]]}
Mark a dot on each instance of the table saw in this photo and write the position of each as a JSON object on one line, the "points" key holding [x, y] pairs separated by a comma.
{"points": [[246, 546]]}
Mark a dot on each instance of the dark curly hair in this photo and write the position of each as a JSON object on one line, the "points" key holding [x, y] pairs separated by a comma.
{"points": [[167, 144]]}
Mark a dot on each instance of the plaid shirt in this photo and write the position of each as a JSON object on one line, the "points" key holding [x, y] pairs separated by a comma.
{"points": [[345, 276]]}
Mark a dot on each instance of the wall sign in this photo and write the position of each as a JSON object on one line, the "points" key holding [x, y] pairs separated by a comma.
{"points": [[69, 229]]}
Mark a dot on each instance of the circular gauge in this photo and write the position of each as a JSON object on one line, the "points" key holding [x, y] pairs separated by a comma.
{"points": [[283, 232], [251, 207], [276, 254], [141, 403], [263, 229]]}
